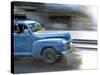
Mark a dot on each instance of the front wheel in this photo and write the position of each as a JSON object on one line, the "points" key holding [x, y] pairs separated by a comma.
{"points": [[50, 55]]}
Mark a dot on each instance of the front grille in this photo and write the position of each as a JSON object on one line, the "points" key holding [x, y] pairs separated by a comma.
{"points": [[68, 45]]}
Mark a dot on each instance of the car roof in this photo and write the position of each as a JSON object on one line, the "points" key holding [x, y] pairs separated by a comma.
{"points": [[24, 21]]}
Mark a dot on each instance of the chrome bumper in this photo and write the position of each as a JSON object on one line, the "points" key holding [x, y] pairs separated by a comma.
{"points": [[69, 51]]}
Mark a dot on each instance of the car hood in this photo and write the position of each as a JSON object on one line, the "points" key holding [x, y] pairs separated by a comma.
{"points": [[52, 34]]}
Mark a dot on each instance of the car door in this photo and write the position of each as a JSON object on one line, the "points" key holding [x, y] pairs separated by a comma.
{"points": [[22, 41]]}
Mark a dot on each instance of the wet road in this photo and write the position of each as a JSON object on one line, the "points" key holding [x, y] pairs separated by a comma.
{"points": [[79, 59]]}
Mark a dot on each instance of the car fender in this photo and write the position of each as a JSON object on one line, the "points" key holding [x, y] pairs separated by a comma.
{"points": [[39, 45]]}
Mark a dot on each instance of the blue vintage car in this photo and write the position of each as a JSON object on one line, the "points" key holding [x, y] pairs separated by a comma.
{"points": [[31, 39]]}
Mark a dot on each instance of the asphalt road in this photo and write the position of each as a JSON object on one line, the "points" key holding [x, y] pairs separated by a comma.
{"points": [[78, 60]]}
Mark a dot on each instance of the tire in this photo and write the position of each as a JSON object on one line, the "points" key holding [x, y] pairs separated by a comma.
{"points": [[50, 55]]}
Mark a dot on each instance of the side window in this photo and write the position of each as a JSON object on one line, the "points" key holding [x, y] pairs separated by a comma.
{"points": [[20, 28]]}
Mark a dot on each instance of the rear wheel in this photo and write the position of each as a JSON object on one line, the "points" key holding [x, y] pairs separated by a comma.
{"points": [[50, 55]]}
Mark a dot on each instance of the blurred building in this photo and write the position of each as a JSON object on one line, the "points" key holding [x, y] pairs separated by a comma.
{"points": [[57, 16]]}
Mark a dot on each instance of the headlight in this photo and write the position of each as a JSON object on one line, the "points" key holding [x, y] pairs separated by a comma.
{"points": [[71, 44], [64, 41]]}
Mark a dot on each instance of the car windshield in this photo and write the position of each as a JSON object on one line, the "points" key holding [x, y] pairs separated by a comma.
{"points": [[35, 27]]}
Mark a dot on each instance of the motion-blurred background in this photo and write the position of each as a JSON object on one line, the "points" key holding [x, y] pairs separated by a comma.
{"points": [[60, 16]]}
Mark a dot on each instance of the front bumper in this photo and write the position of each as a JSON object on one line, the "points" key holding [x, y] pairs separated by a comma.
{"points": [[72, 48]]}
